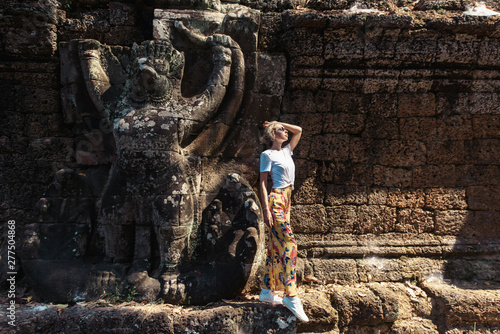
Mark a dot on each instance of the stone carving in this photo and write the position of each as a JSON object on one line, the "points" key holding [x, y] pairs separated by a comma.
{"points": [[145, 231], [149, 183]]}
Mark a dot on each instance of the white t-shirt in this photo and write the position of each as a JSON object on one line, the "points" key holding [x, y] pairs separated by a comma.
{"points": [[281, 166]]}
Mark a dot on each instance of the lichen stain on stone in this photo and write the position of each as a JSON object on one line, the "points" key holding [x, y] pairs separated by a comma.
{"points": [[184, 190], [123, 126]]}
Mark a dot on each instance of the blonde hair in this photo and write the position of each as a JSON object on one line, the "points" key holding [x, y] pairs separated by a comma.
{"points": [[269, 134]]}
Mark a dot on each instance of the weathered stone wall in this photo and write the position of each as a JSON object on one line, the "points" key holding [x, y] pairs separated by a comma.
{"points": [[35, 140], [400, 156], [399, 167]]}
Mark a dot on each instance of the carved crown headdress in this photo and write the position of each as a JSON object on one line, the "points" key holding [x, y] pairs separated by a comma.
{"points": [[160, 49]]}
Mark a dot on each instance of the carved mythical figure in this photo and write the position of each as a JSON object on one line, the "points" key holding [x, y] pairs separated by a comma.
{"points": [[150, 188]]}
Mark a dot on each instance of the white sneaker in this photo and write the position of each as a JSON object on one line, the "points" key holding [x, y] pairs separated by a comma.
{"points": [[268, 297], [295, 305]]}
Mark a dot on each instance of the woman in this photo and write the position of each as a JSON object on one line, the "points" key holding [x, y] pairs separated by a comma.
{"points": [[280, 271]]}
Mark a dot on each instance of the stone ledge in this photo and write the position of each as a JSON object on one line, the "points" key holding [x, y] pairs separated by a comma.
{"points": [[222, 317], [465, 305], [429, 308]]}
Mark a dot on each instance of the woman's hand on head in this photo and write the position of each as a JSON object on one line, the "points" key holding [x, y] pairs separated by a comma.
{"points": [[266, 123]]}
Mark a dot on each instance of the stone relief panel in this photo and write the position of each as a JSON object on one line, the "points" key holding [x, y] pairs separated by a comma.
{"points": [[163, 208]]}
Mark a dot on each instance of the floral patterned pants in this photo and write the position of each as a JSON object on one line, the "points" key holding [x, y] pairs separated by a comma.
{"points": [[281, 260]]}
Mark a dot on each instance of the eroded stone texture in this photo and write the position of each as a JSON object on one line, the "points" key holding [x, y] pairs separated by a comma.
{"points": [[397, 168], [29, 29], [164, 230], [247, 317]]}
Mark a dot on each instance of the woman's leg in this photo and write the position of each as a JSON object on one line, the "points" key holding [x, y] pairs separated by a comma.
{"points": [[282, 249]]}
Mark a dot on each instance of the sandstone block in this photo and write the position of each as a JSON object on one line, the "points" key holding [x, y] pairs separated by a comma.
{"points": [[414, 326], [411, 105], [344, 123], [268, 106], [94, 24], [38, 100], [470, 175], [309, 219], [375, 219], [452, 222], [304, 41], [484, 224], [377, 127], [392, 177], [484, 198], [330, 147], [434, 176], [357, 306], [343, 45], [445, 152], [340, 271], [483, 151], [486, 126], [243, 25], [299, 83], [405, 198], [349, 194], [341, 218], [377, 195], [308, 191], [346, 173], [305, 168], [361, 151], [466, 306], [397, 153], [381, 105], [346, 103], [271, 70], [298, 102], [311, 123], [445, 198], [29, 30], [489, 52], [417, 128], [459, 49], [342, 84], [480, 103], [415, 221], [454, 128], [121, 14], [322, 315]]}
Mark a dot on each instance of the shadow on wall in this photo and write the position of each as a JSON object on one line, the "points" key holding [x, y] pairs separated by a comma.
{"points": [[64, 253]]}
